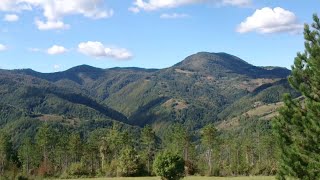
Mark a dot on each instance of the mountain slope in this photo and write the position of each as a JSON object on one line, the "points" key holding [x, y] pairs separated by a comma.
{"points": [[37, 96], [205, 87]]}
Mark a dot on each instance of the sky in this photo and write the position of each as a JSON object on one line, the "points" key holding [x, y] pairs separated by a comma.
{"points": [[55, 35]]}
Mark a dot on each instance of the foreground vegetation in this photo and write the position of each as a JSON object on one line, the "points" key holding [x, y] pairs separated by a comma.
{"points": [[298, 127], [111, 152], [189, 178]]}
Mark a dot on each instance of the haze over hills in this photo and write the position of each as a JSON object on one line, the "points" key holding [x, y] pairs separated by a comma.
{"points": [[205, 87]]}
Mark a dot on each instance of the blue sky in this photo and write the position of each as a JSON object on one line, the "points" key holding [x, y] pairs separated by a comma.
{"points": [[54, 35]]}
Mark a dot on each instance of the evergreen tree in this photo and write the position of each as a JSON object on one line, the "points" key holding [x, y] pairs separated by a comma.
{"points": [[75, 147], [5, 150], [298, 126], [128, 161], [148, 143], [91, 152], [209, 141], [178, 140], [61, 155], [28, 156], [46, 140]]}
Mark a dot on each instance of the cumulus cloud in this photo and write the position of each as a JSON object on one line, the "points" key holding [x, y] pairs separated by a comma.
{"points": [[11, 17], [3, 47], [55, 10], [151, 5], [98, 50], [268, 20], [55, 49], [173, 16]]}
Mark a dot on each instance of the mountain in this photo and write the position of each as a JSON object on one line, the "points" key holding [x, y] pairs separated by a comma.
{"points": [[204, 87]]}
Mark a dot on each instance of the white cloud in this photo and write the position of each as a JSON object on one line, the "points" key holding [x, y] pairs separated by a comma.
{"points": [[98, 50], [240, 3], [268, 20], [134, 9], [49, 25], [34, 49], [173, 16], [55, 10], [151, 5], [14, 5], [3, 47], [11, 17], [55, 49], [56, 66]]}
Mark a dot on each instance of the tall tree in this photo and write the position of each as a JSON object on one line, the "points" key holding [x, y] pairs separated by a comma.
{"points": [[128, 161], [148, 142], [46, 139], [298, 126], [91, 151], [28, 155], [178, 140], [4, 152], [209, 141], [62, 157], [75, 147]]}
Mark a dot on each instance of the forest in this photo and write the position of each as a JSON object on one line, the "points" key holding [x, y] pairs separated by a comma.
{"points": [[55, 151]]}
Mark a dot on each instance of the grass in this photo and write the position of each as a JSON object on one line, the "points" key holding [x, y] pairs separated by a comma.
{"points": [[190, 178]]}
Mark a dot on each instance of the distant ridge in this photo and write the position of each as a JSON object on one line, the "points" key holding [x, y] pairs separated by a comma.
{"points": [[204, 87]]}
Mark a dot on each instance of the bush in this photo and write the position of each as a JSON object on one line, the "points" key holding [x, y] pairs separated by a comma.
{"points": [[169, 166], [77, 170]]}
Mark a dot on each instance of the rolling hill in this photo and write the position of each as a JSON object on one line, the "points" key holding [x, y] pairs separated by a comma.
{"points": [[204, 87]]}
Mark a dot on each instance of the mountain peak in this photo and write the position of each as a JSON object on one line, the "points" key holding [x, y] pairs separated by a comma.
{"points": [[222, 64], [210, 61]]}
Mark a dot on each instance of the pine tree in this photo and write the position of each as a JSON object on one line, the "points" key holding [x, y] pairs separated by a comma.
{"points": [[148, 142], [128, 161], [209, 141], [75, 147], [298, 126], [28, 155], [46, 140], [5, 150]]}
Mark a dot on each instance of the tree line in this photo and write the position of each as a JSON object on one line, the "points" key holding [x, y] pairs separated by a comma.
{"points": [[114, 152]]}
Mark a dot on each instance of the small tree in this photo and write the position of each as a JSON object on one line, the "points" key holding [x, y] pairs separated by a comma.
{"points": [[169, 166]]}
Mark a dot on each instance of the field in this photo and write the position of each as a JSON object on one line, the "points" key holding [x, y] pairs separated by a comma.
{"points": [[192, 178]]}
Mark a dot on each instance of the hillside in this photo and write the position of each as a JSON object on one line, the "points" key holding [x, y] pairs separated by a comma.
{"points": [[204, 87]]}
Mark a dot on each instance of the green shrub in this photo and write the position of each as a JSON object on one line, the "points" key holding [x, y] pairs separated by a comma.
{"points": [[77, 170], [169, 166]]}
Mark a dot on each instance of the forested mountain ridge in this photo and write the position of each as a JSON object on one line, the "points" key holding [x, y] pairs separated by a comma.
{"points": [[203, 88], [97, 118]]}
